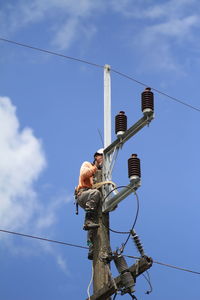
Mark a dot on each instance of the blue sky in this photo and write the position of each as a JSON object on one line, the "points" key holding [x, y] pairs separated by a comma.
{"points": [[51, 110]]}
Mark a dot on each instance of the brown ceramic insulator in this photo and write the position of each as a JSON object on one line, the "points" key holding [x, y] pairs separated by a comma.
{"points": [[122, 267], [147, 100], [120, 122], [134, 166], [120, 263]]}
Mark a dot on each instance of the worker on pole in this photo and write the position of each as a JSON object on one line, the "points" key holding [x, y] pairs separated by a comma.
{"points": [[88, 197]]}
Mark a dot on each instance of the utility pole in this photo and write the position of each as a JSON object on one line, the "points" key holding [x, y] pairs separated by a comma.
{"points": [[104, 286], [101, 237]]}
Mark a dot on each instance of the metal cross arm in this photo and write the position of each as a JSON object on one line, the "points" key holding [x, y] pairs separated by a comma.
{"points": [[110, 204], [145, 120]]}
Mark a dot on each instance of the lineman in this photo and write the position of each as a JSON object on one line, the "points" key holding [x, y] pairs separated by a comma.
{"points": [[89, 198]]}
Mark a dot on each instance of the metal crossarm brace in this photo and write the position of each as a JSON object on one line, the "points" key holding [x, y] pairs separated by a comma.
{"points": [[111, 203], [109, 289], [145, 120]]}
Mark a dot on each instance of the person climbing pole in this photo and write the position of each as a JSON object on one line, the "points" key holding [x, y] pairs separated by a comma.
{"points": [[88, 197]]}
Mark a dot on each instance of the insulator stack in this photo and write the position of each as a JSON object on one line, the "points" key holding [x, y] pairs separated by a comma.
{"points": [[134, 172], [147, 101], [137, 242], [126, 277], [120, 123]]}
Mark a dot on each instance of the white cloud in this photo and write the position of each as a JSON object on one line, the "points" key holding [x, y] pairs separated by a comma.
{"points": [[22, 160], [176, 28], [160, 28], [48, 215], [62, 264], [66, 34], [65, 30], [142, 9]]}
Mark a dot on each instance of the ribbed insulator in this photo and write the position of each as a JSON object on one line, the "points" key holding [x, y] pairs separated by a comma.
{"points": [[120, 123], [147, 101], [134, 167], [126, 277], [127, 281], [137, 242], [120, 263]]}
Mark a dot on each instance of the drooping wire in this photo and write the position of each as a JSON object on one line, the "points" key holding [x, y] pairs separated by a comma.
{"points": [[42, 239], [148, 279], [100, 66], [136, 216], [124, 245]]}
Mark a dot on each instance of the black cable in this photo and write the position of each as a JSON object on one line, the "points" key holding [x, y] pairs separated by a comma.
{"points": [[148, 279], [137, 212], [82, 247], [166, 265], [175, 267], [100, 66], [51, 52], [132, 296], [156, 90], [42, 239], [115, 296], [124, 245]]}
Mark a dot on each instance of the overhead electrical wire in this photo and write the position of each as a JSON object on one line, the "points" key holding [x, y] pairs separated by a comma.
{"points": [[125, 76], [156, 90], [137, 212], [82, 247], [42, 239], [51, 52], [166, 265], [124, 244], [100, 66], [175, 267]]}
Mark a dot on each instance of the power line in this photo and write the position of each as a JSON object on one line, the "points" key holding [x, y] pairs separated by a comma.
{"points": [[156, 90], [175, 267], [100, 66], [167, 265], [82, 247], [42, 239], [51, 52]]}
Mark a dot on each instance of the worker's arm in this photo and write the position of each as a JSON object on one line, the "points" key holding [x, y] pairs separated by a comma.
{"points": [[87, 170]]}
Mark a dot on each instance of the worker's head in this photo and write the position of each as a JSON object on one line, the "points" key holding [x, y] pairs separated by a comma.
{"points": [[98, 157]]}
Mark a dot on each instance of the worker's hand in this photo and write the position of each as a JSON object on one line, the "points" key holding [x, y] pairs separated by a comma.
{"points": [[99, 160]]}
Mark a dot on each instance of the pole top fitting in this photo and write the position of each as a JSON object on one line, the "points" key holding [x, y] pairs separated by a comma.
{"points": [[107, 67]]}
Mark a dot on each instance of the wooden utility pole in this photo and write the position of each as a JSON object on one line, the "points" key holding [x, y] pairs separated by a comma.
{"points": [[102, 251], [103, 284]]}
